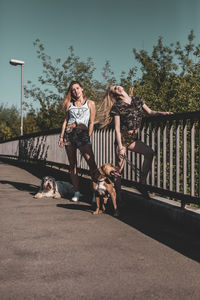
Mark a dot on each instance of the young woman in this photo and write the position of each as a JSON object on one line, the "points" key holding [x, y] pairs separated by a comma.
{"points": [[76, 131], [127, 114]]}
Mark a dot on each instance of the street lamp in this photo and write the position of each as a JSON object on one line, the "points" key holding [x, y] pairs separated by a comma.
{"points": [[15, 62]]}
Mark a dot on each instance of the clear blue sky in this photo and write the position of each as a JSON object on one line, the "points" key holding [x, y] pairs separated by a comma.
{"points": [[101, 29]]}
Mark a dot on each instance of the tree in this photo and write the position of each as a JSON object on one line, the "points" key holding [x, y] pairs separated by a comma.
{"points": [[9, 122], [170, 76], [31, 123], [5, 132]]}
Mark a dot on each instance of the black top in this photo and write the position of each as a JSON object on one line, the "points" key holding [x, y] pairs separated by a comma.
{"points": [[130, 114]]}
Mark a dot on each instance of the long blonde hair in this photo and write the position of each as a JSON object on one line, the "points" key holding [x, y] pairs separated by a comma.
{"points": [[69, 97], [103, 118]]}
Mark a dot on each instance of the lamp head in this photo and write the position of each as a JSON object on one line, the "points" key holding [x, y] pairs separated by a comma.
{"points": [[16, 62]]}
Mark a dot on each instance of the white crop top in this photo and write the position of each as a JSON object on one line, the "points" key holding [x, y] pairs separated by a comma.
{"points": [[79, 114]]}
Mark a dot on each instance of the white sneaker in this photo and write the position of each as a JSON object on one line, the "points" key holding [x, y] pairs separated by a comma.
{"points": [[76, 197]]}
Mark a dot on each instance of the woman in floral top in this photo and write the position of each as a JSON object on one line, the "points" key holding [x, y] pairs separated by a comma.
{"points": [[126, 112]]}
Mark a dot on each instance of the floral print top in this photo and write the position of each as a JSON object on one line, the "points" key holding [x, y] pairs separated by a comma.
{"points": [[130, 114]]}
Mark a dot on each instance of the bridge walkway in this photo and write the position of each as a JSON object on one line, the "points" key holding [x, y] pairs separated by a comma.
{"points": [[56, 249]]}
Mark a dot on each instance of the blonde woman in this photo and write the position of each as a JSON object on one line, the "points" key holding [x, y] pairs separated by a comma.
{"points": [[76, 131], [126, 111]]}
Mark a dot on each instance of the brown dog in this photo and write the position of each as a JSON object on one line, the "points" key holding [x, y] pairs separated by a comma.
{"points": [[104, 188]]}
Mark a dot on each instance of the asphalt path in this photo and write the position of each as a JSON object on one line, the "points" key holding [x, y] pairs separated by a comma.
{"points": [[56, 249]]}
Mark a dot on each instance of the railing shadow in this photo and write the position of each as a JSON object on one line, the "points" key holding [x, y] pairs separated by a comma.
{"points": [[76, 206], [34, 148], [21, 186], [38, 169]]}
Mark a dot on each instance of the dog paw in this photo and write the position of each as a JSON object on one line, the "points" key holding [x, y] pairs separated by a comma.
{"points": [[37, 196], [57, 196]]}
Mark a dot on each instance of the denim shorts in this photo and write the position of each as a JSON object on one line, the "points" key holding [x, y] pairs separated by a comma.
{"points": [[76, 137]]}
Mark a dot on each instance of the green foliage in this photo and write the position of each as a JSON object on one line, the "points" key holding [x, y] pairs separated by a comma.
{"points": [[9, 122], [170, 76], [5, 132], [31, 123]]}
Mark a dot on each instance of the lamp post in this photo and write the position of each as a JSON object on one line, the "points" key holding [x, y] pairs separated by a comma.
{"points": [[15, 62]]}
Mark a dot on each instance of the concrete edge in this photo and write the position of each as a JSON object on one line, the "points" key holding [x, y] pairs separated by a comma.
{"points": [[166, 208]]}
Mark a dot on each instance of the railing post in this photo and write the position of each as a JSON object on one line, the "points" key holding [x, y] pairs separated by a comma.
{"points": [[158, 156], [171, 167], [164, 156], [153, 147], [177, 156], [199, 160], [184, 157], [192, 160]]}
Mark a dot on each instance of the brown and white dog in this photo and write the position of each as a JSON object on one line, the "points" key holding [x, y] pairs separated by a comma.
{"points": [[103, 186]]}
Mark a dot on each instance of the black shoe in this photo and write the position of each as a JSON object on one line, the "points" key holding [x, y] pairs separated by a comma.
{"points": [[143, 190], [116, 213]]}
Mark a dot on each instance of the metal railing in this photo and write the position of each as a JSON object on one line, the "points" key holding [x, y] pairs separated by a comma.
{"points": [[175, 140]]}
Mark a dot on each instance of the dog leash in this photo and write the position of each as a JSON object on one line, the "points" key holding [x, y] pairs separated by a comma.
{"points": [[133, 167]]}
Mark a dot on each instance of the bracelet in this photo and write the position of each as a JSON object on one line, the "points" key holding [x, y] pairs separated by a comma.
{"points": [[120, 149], [61, 137]]}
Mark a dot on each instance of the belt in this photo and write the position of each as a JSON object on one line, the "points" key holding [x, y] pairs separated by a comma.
{"points": [[75, 125]]}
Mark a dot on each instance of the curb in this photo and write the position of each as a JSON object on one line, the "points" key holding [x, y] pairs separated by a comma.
{"points": [[186, 217]]}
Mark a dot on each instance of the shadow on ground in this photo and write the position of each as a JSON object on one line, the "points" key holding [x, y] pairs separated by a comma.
{"points": [[21, 186], [178, 237], [161, 228], [76, 206]]}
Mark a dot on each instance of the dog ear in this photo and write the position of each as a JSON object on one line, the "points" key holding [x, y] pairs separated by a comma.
{"points": [[42, 183], [102, 169], [105, 169], [54, 185], [95, 175]]}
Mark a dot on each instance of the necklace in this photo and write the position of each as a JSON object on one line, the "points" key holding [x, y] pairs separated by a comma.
{"points": [[78, 103]]}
